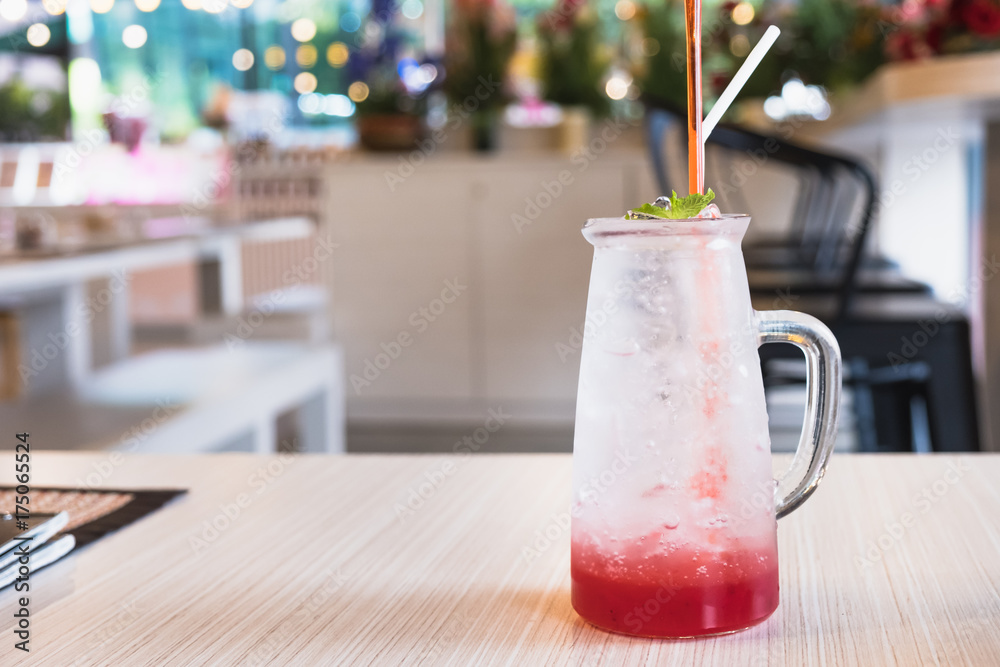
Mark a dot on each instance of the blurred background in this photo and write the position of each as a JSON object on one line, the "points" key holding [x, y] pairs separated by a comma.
{"points": [[259, 225]]}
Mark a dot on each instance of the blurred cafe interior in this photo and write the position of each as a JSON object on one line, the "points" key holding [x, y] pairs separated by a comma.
{"points": [[294, 225]]}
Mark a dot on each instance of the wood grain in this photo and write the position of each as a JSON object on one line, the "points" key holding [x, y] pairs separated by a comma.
{"points": [[319, 568]]}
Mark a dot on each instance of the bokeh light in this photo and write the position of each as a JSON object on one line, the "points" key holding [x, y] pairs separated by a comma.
{"points": [[101, 6], [54, 7], [303, 30], [147, 5], [274, 57], [134, 36], [306, 55], [310, 103], [305, 82], [243, 59], [625, 9], [38, 34], [84, 79], [338, 105], [337, 54], [739, 46], [350, 22], [743, 13], [358, 91], [616, 88], [13, 10], [412, 9]]}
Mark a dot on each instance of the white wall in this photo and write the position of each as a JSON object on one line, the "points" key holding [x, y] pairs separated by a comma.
{"points": [[403, 233]]}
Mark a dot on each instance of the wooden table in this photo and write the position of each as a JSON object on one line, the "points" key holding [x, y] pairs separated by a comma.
{"points": [[320, 567]]}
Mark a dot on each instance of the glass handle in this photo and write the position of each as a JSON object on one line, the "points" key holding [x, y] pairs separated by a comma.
{"points": [[823, 377]]}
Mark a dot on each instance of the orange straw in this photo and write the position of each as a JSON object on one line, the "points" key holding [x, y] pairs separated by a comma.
{"points": [[696, 147]]}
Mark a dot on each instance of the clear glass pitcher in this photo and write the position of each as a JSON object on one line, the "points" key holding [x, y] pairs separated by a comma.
{"points": [[674, 528]]}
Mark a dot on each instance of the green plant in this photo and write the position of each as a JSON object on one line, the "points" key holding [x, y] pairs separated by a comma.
{"points": [[31, 115], [830, 43], [480, 44], [834, 43], [387, 95], [662, 72], [381, 62], [574, 61]]}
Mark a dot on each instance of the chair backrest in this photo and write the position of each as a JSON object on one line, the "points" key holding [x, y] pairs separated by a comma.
{"points": [[835, 201]]}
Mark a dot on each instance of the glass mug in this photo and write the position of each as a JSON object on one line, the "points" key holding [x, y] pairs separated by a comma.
{"points": [[675, 508]]}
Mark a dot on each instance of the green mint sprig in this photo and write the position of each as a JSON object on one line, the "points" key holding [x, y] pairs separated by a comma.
{"points": [[680, 207]]}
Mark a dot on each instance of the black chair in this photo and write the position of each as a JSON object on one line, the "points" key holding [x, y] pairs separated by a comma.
{"points": [[924, 401], [906, 379], [875, 394], [835, 202]]}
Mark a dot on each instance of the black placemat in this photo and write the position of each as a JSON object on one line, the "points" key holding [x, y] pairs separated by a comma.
{"points": [[93, 513]]}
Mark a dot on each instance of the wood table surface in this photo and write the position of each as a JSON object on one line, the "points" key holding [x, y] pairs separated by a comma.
{"points": [[894, 561]]}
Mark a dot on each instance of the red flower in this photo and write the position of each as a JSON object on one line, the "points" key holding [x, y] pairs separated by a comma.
{"points": [[982, 17], [902, 45], [935, 35]]}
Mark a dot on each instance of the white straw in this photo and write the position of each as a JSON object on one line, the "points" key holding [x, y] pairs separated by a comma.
{"points": [[740, 80]]}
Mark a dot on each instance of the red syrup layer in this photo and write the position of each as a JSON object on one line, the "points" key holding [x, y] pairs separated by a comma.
{"points": [[679, 594]]}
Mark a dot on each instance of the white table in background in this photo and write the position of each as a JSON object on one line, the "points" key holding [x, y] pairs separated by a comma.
{"points": [[219, 398]]}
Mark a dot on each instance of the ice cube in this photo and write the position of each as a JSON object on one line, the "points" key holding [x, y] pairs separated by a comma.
{"points": [[710, 211], [662, 202]]}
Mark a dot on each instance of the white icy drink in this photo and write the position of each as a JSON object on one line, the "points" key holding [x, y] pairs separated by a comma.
{"points": [[674, 528]]}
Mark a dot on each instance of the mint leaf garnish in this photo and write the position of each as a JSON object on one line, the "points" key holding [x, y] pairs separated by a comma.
{"points": [[649, 209], [680, 207], [690, 206]]}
